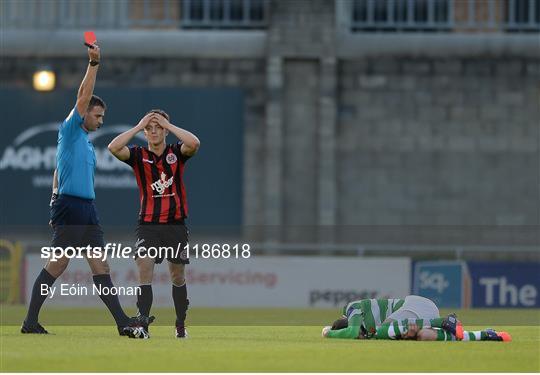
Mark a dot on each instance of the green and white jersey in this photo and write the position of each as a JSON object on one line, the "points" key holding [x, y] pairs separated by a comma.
{"points": [[377, 311], [366, 315]]}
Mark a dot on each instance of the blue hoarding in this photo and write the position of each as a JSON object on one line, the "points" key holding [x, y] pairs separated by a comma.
{"points": [[508, 284], [445, 283]]}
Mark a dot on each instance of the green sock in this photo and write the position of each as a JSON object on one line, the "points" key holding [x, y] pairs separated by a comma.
{"points": [[442, 335], [474, 335], [436, 323]]}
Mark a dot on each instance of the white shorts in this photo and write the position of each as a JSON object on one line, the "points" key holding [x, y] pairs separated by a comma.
{"points": [[415, 307]]}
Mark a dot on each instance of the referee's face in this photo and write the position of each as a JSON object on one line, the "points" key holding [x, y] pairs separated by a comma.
{"points": [[93, 119]]}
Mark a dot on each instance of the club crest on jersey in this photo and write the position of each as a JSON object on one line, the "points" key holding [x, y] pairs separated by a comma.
{"points": [[162, 184], [171, 158]]}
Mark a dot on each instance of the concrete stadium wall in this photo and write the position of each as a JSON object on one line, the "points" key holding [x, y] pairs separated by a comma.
{"points": [[445, 141], [397, 139]]}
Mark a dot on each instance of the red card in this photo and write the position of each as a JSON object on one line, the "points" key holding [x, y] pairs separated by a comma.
{"points": [[89, 38]]}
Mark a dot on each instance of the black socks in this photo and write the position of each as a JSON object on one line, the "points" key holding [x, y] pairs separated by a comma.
{"points": [[38, 297], [144, 300], [179, 294], [111, 301]]}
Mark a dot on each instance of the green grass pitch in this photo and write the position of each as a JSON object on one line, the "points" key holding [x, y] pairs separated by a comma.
{"points": [[255, 340]]}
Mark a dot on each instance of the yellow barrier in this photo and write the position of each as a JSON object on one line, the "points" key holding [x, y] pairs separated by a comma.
{"points": [[13, 269]]}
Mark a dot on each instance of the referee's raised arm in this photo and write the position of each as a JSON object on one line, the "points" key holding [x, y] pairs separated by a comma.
{"points": [[74, 219], [87, 85]]}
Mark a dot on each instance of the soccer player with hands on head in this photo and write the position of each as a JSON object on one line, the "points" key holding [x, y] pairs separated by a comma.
{"points": [[159, 170]]}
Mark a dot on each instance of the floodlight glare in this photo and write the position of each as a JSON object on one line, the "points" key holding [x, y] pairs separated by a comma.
{"points": [[44, 80]]}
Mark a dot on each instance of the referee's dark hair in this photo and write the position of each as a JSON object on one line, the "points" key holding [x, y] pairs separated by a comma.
{"points": [[96, 101], [159, 111]]}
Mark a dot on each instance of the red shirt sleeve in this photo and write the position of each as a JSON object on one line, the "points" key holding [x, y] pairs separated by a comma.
{"points": [[134, 155], [177, 149]]}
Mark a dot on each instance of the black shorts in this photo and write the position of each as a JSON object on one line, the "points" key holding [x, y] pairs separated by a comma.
{"points": [[160, 241], [75, 222]]}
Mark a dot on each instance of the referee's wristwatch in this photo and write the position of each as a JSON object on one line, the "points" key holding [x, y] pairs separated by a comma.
{"points": [[93, 62]]}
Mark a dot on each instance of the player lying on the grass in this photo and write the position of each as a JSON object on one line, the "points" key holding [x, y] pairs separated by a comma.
{"points": [[413, 318]]}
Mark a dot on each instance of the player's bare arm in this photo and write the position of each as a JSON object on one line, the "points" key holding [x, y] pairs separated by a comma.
{"points": [[118, 146], [190, 143], [87, 85], [55, 182], [54, 194]]}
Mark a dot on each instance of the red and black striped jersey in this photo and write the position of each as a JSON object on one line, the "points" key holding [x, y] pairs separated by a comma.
{"points": [[161, 187]]}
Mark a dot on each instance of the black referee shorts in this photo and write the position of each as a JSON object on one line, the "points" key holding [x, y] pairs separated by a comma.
{"points": [[160, 241], [75, 222]]}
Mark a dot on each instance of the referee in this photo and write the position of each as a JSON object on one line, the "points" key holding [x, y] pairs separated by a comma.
{"points": [[159, 171], [73, 213]]}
